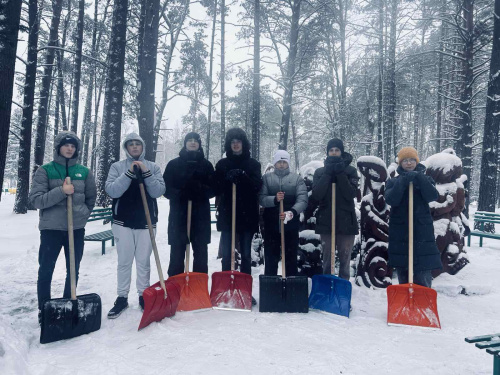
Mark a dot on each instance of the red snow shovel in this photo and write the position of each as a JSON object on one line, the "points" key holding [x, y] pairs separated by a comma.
{"points": [[232, 290], [193, 286], [411, 304], [64, 318], [331, 293], [160, 299]]}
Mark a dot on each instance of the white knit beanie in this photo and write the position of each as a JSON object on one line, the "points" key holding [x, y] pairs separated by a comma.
{"points": [[281, 155]]}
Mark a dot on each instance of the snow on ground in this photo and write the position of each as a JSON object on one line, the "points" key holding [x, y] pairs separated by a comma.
{"points": [[223, 342]]}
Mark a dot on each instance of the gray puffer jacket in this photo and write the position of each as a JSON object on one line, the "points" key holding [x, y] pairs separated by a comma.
{"points": [[47, 194], [295, 199]]}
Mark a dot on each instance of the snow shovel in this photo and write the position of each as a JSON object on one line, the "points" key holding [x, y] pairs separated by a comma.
{"points": [[412, 304], [65, 318], [331, 293], [281, 293], [232, 290], [160, 300], [193, 286]]}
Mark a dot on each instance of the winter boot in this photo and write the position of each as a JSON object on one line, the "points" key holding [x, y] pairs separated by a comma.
{"points": [[254, 302], [121, 304], [141, 302]]}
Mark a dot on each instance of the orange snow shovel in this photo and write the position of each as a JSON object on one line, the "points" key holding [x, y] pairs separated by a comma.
{"points": [[232, 290], [411, 304], [193, 286], [160, 299]]}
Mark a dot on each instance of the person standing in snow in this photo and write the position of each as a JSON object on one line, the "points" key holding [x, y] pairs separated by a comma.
{"points": [[189, 177], [282, 185], [129, 221], [337, 169], [49, 192], [240, 169], [426, 255]]}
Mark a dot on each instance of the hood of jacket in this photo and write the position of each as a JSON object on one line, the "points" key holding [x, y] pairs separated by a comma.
{"points": [[134, 137], [57, 140], [237, 133], [346, 157]]}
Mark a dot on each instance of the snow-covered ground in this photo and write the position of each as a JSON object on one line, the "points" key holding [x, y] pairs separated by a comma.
{"points": [[222, 342]]}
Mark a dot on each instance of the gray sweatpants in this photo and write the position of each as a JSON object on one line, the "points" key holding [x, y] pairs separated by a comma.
{"points": [[343, 247], [130, 244]]}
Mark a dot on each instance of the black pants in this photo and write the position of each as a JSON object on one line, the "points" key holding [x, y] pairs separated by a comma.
{"points": [[51, 242], [272, 252], [178, 253], [245, 248], [423, 278]]}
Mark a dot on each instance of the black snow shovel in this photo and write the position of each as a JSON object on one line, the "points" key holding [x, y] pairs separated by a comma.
{"points": [[281, 293], [65, 318]]}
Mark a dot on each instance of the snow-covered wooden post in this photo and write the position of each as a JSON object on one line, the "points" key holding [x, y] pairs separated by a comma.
{"points": [[450, 224], [373, 269]]}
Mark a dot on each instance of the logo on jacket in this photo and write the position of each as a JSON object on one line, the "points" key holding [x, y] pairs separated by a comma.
{"points": [[78, 175]]}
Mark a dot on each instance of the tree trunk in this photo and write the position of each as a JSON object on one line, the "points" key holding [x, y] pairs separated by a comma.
{"points": [[380, 92], [489, 161], [23, 166], [295, 147], [439, 111], [61, 94], [222, 78], [391, 151], [290, 75], [109, 148], [211, 72], [78, 67], [146, 72], [256, 83], [45, 88]]}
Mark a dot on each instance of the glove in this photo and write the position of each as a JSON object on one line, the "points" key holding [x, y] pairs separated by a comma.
{"points": [[193, 189], [334, 165], [234, 175], [288, 216]]}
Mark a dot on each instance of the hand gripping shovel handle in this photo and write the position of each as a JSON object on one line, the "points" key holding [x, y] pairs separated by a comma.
{"points": [[233, 227], [188, 245], [410, 234], [138, 173], [71, 243], [332, 245], [282, 230]]}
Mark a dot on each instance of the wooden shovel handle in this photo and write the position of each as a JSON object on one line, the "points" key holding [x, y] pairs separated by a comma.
{"points": [[188, 245], [233, 227], [282, 230], [152, 235], [332, 244], [410, 233], [71, 244]]}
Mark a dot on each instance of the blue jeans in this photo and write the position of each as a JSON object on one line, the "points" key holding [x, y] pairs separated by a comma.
{"points": [[245, 250]]}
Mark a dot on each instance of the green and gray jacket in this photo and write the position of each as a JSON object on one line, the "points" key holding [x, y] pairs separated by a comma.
{"points": [[47, 194]]}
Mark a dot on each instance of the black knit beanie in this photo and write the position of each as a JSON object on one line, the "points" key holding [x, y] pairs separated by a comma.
{"points": [[335, 142], [192, 135], [68, 140]]}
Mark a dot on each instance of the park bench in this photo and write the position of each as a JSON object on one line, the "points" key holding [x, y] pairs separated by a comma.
{"points": [[483, 217], [492, 345], [106, 215]]}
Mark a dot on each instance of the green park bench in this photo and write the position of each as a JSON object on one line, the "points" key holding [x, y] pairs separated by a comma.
{"points": [[483, 217], [492, 345], [106, 215]]}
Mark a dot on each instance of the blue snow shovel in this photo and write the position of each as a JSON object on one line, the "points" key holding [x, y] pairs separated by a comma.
{"points": [[329, 292]]}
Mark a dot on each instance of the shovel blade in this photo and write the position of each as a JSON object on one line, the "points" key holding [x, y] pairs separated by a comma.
{"points": [[283, 294], [412, 304], [63, 318], [193, 287], [157, 306], [231, 290], [331, 294]]}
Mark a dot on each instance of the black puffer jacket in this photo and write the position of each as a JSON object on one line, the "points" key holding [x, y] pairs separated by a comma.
{"points": [[190, 170], [425, 252], [346, 189], [247, 191]]}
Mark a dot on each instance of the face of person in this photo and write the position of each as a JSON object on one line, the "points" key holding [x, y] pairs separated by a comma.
{"points": [[236, 146], [67, 150], [134, 148], [409, 164], [281, 164], [192, 144], [334, 151]]}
